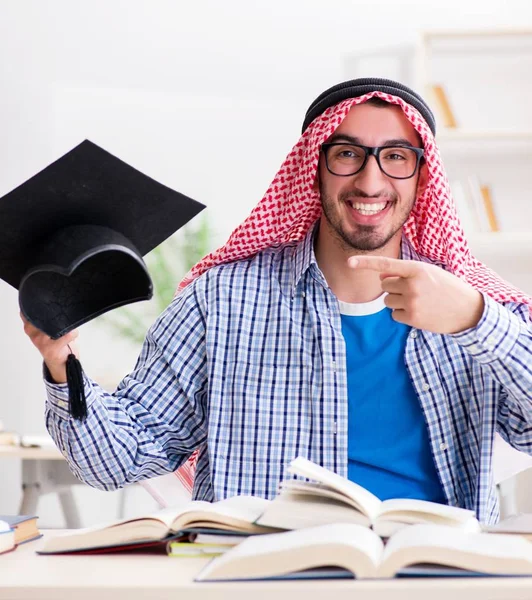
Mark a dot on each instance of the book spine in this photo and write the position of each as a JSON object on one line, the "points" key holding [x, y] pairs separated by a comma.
{"points": [[488, 206], [464, 207], [477, 201], [443, 106]]}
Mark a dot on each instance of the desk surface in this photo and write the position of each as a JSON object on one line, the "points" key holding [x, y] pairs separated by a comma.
{"points": [[30, 453], [26, 575]]}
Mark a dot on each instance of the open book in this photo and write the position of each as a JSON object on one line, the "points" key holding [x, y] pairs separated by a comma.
{"points": [[330, 498], [520, 524], [236, 514], [355, 549]]}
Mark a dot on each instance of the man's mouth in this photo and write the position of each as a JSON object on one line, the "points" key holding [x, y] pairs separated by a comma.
{"points": [[369, 209]]}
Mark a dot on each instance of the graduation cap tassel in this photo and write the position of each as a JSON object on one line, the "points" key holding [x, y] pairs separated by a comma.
{"points": [[76, 389]]}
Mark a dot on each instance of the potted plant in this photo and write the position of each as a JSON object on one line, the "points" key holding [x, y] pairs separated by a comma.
{"points": [[167, 265]]}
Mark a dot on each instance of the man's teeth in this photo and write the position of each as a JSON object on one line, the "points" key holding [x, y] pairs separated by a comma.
{"points": [[369, 209]]}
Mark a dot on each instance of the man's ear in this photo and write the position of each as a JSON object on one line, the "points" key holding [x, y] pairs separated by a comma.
{"points": [[316, 182], [423, 179]]}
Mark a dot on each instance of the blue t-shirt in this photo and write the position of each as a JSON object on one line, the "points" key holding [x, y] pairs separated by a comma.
{"points": [[388, 446]]}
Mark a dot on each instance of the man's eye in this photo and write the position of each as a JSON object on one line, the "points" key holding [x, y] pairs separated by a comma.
{"points": [[347, 153], [394, 156]]}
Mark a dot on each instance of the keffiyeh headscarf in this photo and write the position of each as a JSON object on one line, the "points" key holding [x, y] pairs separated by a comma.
{"points": [[291, 206]]}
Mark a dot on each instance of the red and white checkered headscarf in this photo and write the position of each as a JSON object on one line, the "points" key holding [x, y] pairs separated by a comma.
{"points": [[291, 206]]}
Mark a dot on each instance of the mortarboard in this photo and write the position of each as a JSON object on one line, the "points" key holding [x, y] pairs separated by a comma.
{"points": [[73, 237]]}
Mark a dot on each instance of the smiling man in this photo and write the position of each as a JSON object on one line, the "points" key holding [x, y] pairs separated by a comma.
{"points": [[344, 321]]}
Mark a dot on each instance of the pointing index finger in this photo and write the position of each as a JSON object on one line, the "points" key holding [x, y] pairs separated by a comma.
{"points": [[384, 264]]}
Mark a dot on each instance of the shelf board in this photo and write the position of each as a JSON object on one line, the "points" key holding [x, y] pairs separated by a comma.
{"points": [[501, 243], [479, 141], [448, 134], [478, 42], [475, 33]]}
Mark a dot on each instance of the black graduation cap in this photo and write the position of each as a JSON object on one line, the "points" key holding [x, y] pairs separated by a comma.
{"points": [[73, 237]]}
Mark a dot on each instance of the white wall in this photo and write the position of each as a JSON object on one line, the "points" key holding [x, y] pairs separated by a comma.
{"points": [[159, 83]]}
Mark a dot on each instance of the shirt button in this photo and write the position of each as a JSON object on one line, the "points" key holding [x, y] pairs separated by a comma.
{"points": [[490, 346], [426, 387], [303, 294], [62, 403], [443, 446], [413, 334]]}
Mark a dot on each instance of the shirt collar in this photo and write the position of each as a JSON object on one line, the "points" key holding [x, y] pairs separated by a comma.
{"points": [[407, 250], [304, 258], [409, 253]]}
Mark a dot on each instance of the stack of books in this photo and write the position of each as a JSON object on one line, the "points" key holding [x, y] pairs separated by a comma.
{"points": [[16, 530], [319, 525]]}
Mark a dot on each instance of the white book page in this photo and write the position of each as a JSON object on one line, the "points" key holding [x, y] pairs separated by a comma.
{"points": [[295, 511], [246, 509], [281, 553], [390, 508], [369, 504], [7, 539], [120, 533], [168, 515], [520, 523], [158, 524], [507, 461], [164, 517], [4, 526], [317, 491], [457, 548]]}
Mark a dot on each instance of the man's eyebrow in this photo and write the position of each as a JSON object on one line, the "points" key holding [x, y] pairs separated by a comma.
{"points": [[339, 137], [398, 142]]}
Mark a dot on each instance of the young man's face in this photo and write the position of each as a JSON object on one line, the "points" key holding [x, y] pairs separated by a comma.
{"points": [[366, 210]]}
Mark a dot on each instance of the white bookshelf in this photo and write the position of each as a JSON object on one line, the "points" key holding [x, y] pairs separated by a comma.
{"points": [[486, 76]]}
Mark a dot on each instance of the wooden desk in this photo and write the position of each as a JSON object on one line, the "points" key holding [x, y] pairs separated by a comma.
{"points": [[45, 470], [26, 575]]}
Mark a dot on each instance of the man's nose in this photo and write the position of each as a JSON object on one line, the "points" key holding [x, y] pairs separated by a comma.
{"points": [[371, 179]]}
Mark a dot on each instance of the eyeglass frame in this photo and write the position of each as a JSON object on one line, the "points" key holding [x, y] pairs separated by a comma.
{"points": [[372, 151]]}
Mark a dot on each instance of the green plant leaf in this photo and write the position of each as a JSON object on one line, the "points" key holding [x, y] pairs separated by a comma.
{"points": [[167, 265]]}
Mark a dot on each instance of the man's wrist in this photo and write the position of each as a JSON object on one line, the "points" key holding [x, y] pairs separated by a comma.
{"points": [[474, 311], [478, 309], [54, 375]]}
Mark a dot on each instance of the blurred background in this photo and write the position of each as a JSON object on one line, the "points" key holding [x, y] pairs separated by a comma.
{"points": [[208, 98]]}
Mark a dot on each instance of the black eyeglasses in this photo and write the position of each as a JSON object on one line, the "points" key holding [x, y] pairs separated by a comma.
{"points": [[398, 162]]}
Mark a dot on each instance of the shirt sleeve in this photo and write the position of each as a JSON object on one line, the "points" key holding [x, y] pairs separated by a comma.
{"points": [[157, 415], [502, 343]]}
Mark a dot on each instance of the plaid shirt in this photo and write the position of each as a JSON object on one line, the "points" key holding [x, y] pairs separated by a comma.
{"points": [[248, 364]]}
